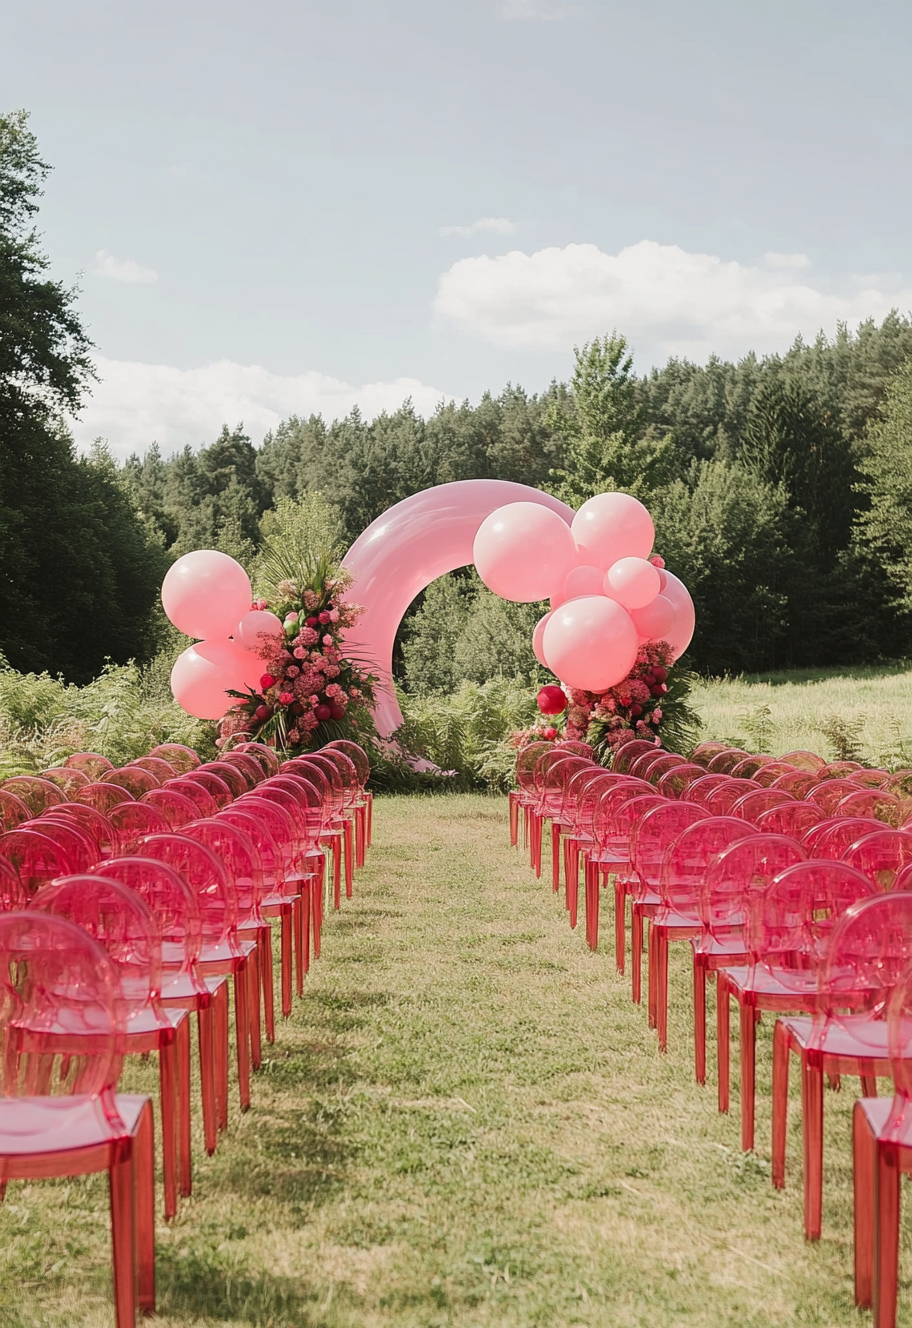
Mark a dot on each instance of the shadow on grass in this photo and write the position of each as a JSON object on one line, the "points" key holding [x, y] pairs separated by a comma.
{"points": [[857, 672]]}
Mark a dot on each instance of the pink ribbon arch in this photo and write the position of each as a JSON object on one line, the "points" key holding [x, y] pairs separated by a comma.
{"points": [[407, 548]]}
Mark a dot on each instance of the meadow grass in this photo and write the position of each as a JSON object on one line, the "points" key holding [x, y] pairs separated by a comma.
{"points": [[867, 710], [466, 1123]]}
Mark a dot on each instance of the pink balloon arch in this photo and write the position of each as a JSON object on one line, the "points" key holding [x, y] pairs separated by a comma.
{"points": [[408, 547]]}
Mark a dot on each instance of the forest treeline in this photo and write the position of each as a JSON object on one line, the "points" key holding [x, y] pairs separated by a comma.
{"points": [[781, 486]]}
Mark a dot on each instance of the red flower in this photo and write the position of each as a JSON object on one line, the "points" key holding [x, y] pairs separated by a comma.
{"points": [[286, 698], [267, 681]]}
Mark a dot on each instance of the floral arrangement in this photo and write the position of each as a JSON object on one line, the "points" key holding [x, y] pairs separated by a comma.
{"points": [[310, 690]]}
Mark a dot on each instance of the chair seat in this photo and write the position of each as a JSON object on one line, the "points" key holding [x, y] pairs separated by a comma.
{"points": [[719, 947], [764, 982], [879, 1111], [54, 1126], [188, 989]]}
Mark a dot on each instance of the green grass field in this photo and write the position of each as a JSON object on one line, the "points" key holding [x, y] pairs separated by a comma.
{"points": [[866, 710], [466, 1123]]}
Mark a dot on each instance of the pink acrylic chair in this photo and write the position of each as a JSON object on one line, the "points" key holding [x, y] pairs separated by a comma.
{"points": [[90, 763], [175, 807], [59, 1112], [882, 856], [615, 816], [66, 779], [13, 894], [872, 779], [882, 1145], [651, 834], [260, 752], [78, 844], [772, 772], [723, 762], [13, 811], [873, 802], [798, 782], [752, 806], [102, 796], [624, 756], [747, 768], [180, 758], [37, 794], [787, 933], [132, 820], [161, 769], [223, 953], [735, 877], [677, 918], [830, 792], [583, 793], [194, 792], [793, 819], [699, 790], [238, 853], [840, 769], [36, 858], [674, 782], [310, 802], [248, 765], [338, 833], [302, 869], [359, 758], [703, 753], [213, 784], [809, 762], [229, 774], [91, 822], [130, 777], [721, 800], [174, 906], [522, 798], [842, 834], [866, 956], [118, 919]]}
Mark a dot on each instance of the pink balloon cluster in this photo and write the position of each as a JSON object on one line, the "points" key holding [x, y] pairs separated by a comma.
{"points": [[207, 595], [607, 597]]}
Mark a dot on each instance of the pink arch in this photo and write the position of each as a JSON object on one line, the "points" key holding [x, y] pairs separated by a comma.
{"points": [[407, 548]]}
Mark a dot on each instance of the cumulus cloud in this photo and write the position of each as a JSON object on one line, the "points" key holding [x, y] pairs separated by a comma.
{"points": [[123, 269], [483, 226], [136, 404], [659, 295]]}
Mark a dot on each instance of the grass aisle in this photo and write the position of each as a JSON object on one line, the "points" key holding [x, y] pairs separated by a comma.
{"points": [[466, 1122]]}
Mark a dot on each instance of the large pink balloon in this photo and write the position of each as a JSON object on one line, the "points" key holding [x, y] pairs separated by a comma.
{"points": [[633, 582], [260, 631], [206, 593], [523, 552], [590, 643], [583, 580], [655, 621], [203, 674], [407, 548], [538, 637], [612, 526], [685, 618]]}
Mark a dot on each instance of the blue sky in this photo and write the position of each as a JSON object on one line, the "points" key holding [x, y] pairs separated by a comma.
{"points": [[298, 205]]}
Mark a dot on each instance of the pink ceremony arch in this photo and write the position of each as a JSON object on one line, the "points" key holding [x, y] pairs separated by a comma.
{"points": [[404, 550]]}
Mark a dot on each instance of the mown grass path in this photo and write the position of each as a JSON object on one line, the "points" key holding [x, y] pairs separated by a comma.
{"points": [[466, 1122]]}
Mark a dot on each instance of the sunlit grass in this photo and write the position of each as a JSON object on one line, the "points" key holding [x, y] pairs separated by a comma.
{"points": [[466, 1124], [779, 712]]}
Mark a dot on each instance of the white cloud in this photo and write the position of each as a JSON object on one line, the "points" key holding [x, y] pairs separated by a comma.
{"points": [[483, 226], [123, 269], [660, 296], [136, 404]]}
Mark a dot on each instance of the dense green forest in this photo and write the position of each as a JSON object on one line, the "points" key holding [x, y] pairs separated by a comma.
{"points": [[781, 487]]}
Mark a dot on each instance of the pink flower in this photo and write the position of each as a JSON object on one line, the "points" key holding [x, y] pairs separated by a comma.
{"points": [[286, 698], [291, 617], [259, 604], [308, 637], [300, 652], [656, 715], [315, 700], [327, 640], [292, 671], [325, 618], [334, 616], [267, 681]]}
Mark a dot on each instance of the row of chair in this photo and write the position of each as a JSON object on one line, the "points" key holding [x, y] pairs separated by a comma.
{"points": [[791, 880], [130, 898]]}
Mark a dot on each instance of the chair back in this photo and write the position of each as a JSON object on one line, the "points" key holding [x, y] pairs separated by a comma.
{"points": [[170, 901], [13, 810], [174, 807], [793, 819], [90, 763], [37, 794], [238, 854], [207, 878], [195, 792], [180, 758], [651, 834], [754, 804], [737, 874], [132, 778], [37, 858], [686, 859], [133, 820], [102, 796]]}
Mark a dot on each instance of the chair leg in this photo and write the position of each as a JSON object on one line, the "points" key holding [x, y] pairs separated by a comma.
{"points": [[661, 985], [184, 1152], [264, 943], [370, 818], [748, 1059], [349, 858], [144, 1208], [167, 1082], [221, 1052], [620, 923], [571, 876], [699, 981], [253, 1009], [723, 1040], [651, 976], [514, 820], [337, 871], [886, 1235], [287, 957], [636, 953], [780, 1101], [206, 1032], [123, 1232], [242, 1032], [864, 1151], [812, 1134], [555, 855], [592, 904], [317, 888]]}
